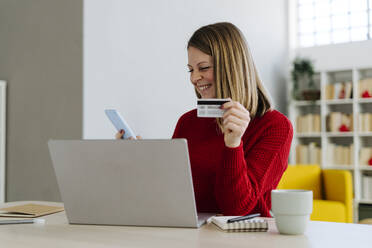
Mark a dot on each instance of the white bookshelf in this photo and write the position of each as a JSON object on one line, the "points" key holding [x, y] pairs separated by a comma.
{"points": [[2, 139], [323, 107]]}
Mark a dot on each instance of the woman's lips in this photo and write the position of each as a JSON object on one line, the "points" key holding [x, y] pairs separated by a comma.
{"points": [[204, 87]]}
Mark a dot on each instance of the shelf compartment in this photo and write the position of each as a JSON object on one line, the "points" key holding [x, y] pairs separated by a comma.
{"points": [[364, 134], [339, 134], [339, 101], [306, 103], [365, 201], [365, 100], [307, 135]]}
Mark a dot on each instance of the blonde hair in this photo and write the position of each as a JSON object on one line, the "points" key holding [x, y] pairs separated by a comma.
{"points": [[235, 74]]}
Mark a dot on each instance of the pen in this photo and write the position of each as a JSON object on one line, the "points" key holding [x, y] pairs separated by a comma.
{"points": [[245, 217], [28, 221]]}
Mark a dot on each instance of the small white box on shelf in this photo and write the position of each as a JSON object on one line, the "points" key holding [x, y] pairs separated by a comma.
{"points": [[367, 187]]}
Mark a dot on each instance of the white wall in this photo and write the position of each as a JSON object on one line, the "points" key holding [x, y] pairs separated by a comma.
{"points": [[339, 56], [135, 57], [41, 60]]}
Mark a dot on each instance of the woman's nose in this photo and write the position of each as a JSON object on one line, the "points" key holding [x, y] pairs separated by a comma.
{"points": [[195, 77]]}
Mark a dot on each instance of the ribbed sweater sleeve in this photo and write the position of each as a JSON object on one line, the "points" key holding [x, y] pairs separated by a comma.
{"points": [[245, 175]]}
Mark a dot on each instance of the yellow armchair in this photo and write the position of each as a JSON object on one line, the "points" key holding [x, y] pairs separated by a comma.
{"points": [[332, 191]]}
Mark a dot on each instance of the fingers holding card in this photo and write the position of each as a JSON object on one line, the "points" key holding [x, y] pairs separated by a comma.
{"points": [[235, 121]]}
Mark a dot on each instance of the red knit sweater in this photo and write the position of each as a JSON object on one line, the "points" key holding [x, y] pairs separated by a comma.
{"points": [[236, 181]]}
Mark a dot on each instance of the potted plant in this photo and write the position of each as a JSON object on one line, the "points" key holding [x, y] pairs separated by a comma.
{"points": [[303, 80]]}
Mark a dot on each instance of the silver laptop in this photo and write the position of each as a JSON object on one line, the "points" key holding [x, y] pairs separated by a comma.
{"points": [[126, 182]]}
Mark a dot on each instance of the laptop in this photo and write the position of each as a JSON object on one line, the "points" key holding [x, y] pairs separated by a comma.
{"points": [[126, 182]]}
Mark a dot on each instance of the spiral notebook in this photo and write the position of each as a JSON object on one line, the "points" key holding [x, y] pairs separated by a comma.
{"points": [[251, 225]]}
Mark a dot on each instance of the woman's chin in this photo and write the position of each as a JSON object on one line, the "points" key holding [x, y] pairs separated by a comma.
{"points": [[207, 95]]}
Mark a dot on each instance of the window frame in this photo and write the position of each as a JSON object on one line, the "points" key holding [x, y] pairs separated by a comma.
{"points": [[315, 34]]}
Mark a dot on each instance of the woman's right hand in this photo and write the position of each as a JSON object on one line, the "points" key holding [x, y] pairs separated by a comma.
{"points": [[119, 135]]}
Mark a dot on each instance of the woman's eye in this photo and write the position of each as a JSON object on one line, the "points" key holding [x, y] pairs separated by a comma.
{"points": [[204, 68], [190, 70]]}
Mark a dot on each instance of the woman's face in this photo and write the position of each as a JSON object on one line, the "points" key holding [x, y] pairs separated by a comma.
{"points": [[201, 72]]}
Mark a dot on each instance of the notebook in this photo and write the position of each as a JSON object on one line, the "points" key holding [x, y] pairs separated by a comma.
{"points": [[251, 225], [29, 210]]}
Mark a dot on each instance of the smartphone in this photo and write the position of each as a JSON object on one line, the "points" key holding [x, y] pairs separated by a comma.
{"points": [[119, 123]]}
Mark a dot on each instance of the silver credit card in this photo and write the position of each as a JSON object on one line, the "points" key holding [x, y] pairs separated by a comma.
{"points": [[211, 107]]}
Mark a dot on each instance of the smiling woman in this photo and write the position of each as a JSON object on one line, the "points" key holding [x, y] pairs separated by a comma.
{"points": [[236, 160]]}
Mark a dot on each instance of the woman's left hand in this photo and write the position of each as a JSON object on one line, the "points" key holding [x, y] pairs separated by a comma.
{"points": [[235, 121]]}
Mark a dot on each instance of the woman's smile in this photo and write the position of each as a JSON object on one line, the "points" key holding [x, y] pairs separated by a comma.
{"points": [[204, 87]]}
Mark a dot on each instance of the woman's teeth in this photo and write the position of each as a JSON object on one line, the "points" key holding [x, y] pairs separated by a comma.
{"points": [[204, 87]]}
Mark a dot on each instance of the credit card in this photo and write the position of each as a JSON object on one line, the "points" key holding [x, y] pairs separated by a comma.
{"points": [[210, 107]]}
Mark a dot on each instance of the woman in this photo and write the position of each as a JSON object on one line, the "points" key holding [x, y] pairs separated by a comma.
{"points": [[236, 160]]}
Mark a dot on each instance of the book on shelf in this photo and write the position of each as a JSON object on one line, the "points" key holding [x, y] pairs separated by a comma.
{"points": [[367, 187], [365, 122], [309, 123], [314, 154], [340, 155], [337, 121], [308, 154], [348, 90], [365, 154], [339, 90], [352, 150], [365, 88], [316, 123], [301, 154]]}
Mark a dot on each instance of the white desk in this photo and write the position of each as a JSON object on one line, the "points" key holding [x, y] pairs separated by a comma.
{"points": [[56, 232]]}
